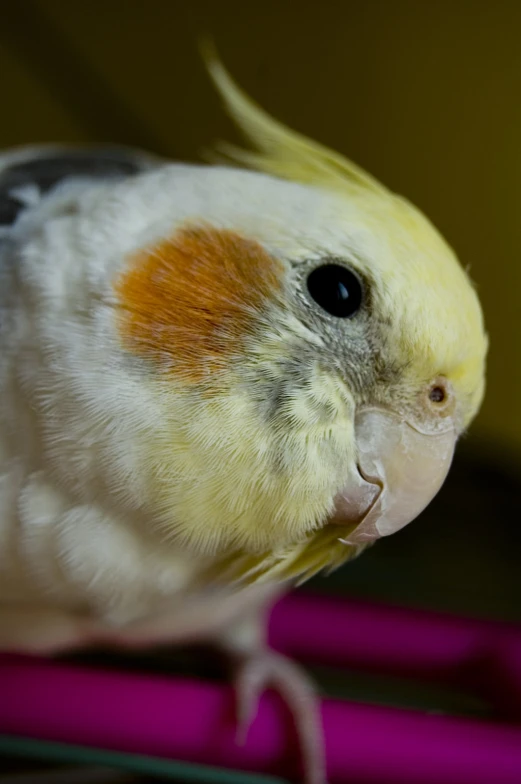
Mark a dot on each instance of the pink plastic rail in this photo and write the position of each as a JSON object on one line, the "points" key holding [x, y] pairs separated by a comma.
{"points": [[193, 720]]}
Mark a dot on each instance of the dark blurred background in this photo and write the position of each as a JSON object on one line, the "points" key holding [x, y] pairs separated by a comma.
{"points": [[426, 96]]}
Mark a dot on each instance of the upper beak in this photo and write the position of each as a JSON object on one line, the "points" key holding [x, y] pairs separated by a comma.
{"points": [[400, 469]]}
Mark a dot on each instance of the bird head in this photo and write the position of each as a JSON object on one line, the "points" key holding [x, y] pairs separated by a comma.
{"points": [[312, 344]]}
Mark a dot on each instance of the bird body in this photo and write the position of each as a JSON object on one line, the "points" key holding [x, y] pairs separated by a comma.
{"points": [[214, 383]]}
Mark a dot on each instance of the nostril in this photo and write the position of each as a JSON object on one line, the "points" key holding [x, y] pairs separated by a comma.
{"points": [[437, 394]]}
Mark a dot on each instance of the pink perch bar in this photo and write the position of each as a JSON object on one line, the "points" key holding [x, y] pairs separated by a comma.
{"points": [[399, 641], [193, 720]]}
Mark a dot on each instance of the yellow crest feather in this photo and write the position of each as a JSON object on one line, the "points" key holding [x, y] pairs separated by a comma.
{"points": [[281, 151]]}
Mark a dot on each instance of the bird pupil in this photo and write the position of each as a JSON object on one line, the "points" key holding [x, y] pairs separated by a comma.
{"points": [[336, 289]]}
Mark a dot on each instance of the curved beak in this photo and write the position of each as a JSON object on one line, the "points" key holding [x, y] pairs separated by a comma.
{"points": [[400, 470]]}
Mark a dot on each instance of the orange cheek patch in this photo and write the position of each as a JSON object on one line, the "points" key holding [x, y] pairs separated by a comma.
{"points": [[188, 303]]}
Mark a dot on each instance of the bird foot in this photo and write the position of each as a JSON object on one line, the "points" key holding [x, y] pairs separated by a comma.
{"points": [[268, 669]]}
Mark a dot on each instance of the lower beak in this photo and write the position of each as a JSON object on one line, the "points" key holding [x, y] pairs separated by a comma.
{"points": [[400, 470]]}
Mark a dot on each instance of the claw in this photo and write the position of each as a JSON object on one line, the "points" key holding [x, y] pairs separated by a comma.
{"points": [[269, 669]]}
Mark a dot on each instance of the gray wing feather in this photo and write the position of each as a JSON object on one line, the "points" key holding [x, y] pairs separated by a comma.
{"points": [[42, 168]]}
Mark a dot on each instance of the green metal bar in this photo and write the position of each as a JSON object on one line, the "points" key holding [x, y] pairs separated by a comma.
{"points": [[136, 763]]}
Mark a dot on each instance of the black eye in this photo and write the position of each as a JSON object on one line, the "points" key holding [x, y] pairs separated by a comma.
{"points": [[337, 290]]}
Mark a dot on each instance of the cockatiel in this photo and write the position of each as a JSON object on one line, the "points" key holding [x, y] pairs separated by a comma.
{"points": [[215, 383]]}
